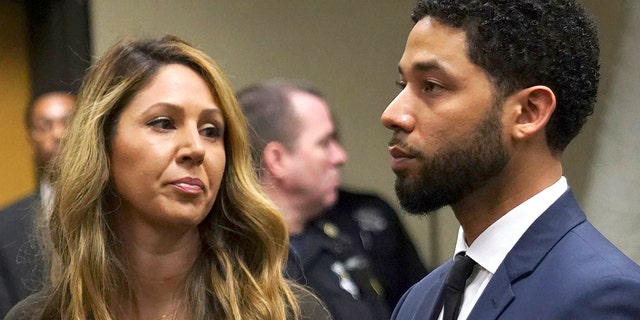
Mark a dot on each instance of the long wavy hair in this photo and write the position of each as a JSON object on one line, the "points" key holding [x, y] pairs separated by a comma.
{"points": [[238, 273]]}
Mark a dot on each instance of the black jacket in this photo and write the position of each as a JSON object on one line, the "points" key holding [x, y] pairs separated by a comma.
{"points": [[330, 264], [377, 231]]}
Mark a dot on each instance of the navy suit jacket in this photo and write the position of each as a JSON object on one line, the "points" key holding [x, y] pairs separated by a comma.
{"points": [[561, 268], [21, 267]]}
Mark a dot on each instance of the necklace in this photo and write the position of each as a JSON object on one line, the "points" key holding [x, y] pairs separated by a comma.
{"points": [[169, 315]]}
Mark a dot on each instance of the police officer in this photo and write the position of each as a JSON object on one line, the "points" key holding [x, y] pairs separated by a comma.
{"points": [[298, 160]]}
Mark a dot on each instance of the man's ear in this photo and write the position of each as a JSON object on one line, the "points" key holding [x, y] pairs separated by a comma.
{"points": [[273, 158], [532, 110]]}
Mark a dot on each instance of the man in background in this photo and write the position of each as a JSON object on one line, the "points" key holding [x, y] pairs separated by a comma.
{"points": [[20, 266], [298, 161]]}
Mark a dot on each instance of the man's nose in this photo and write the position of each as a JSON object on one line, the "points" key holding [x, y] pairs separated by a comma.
{"points": [[339, 155], [397, 116], [58, 130]]}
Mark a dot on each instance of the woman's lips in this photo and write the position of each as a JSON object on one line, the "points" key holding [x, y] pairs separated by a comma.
{"points": [[189, 185]]}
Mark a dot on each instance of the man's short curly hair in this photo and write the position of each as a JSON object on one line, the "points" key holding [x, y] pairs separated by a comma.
{"points": [[523, 43]]}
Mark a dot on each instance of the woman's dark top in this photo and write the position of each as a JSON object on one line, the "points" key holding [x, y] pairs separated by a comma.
{"points": [[311, 308]]}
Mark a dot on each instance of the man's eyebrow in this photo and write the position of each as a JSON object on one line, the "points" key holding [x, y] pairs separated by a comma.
{"points": [[424, 66]]}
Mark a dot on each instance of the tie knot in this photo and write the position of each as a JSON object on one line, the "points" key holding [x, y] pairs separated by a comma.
{"points": [[460, 271]]}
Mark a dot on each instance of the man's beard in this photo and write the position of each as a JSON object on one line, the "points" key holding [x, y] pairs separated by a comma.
{"points": [[455, 171]]}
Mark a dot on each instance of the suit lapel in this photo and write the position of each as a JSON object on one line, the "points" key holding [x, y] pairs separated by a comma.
{"points": [[495, 298], [535, 243], [435, 305], [422, 301]]}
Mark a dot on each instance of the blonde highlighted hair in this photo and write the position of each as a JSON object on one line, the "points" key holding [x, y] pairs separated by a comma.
{"points": [[244, 243]]}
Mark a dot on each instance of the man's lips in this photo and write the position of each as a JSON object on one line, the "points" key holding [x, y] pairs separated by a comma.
{"points": [[189, 185], [398, 152], [400, 157]]}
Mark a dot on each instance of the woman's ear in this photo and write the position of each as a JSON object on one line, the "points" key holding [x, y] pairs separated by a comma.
{"points": [[533, 109]]}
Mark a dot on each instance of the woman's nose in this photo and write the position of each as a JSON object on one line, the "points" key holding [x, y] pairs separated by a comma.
{"points": [[192, 148]]}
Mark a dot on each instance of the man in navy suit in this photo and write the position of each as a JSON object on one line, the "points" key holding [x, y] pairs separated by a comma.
{"points": [[492, 92], [21, 264]]}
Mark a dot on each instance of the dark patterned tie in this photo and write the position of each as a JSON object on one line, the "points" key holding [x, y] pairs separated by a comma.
{"points": [[454, 285]]}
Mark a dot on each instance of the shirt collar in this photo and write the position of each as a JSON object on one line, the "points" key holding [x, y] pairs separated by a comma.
{"points": [[493, 245]]}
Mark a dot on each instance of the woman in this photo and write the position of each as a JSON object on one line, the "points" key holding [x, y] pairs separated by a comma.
{"points": [[157, 212]]}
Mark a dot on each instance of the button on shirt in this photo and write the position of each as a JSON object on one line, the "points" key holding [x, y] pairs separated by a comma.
{"points": [[493, 245]]}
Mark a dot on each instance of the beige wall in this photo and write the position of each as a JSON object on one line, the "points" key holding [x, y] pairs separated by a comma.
{"points": [[350, 49], [16, 164], [612, 198]]}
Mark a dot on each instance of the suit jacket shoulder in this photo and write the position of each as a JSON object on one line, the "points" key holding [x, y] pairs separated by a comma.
{"points": [[19, 261], [420, 301], [561, 268]]}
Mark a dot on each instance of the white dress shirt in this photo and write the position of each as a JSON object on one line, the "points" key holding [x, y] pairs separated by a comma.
{"points": [[493, 244], [46, 197]]}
